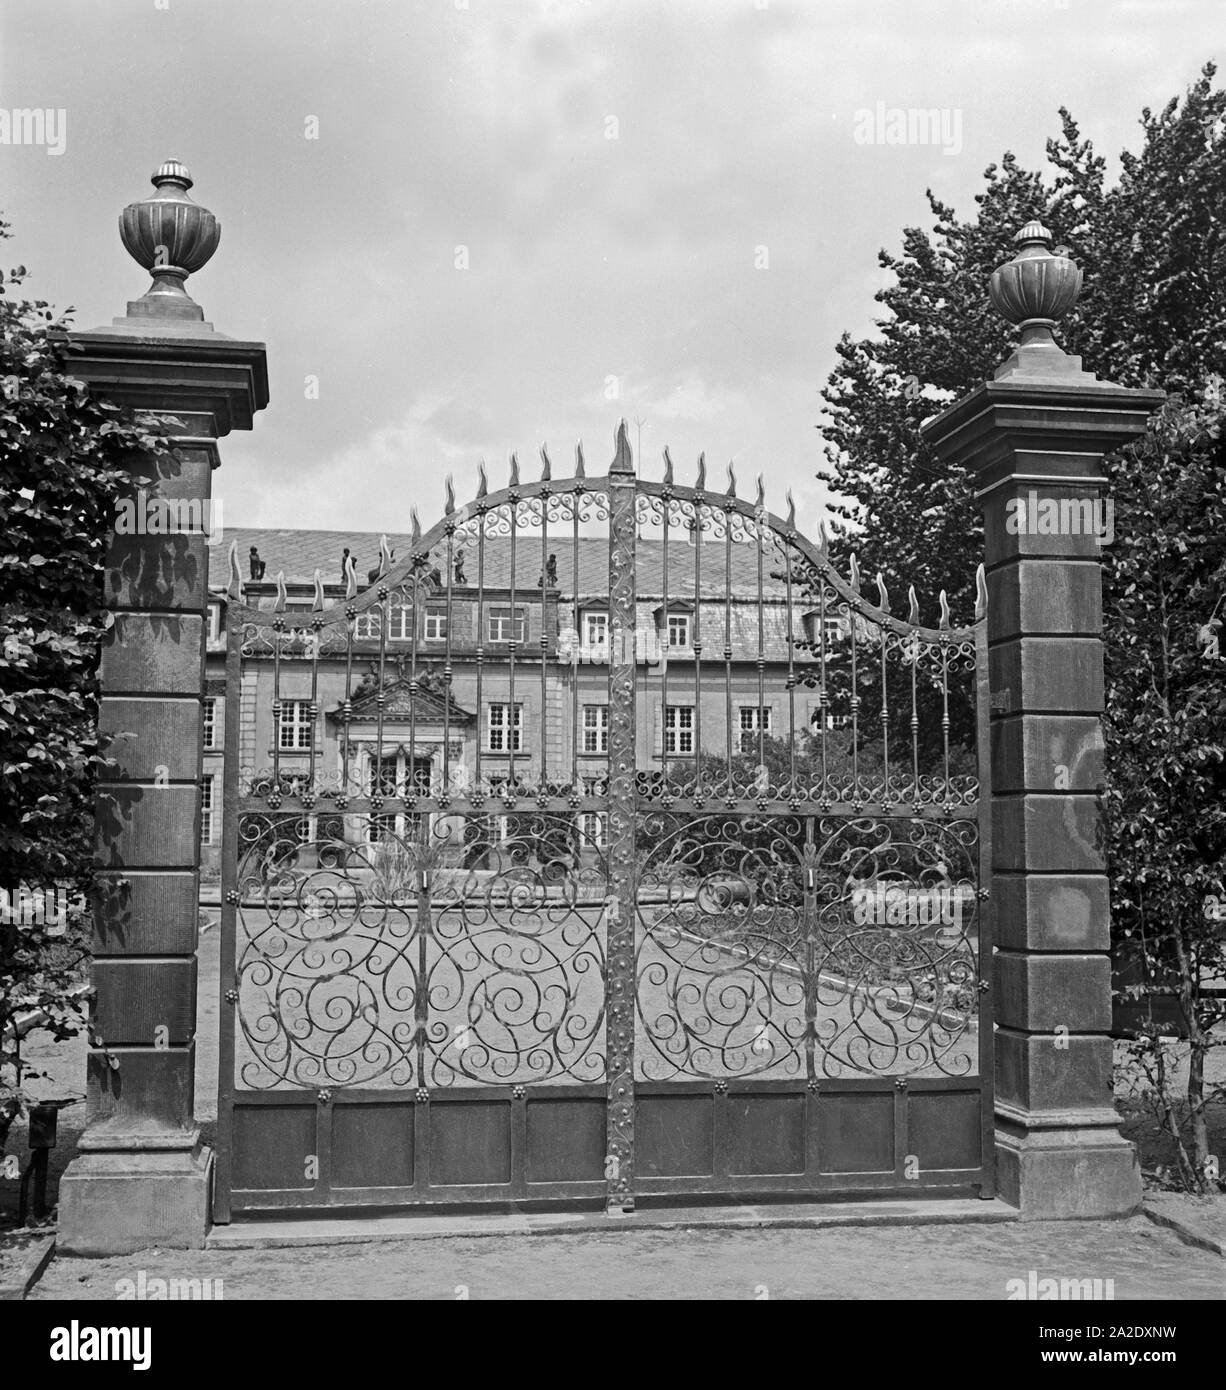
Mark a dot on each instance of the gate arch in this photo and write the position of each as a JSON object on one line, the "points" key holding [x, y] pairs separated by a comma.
{"points": [[543, 879]]}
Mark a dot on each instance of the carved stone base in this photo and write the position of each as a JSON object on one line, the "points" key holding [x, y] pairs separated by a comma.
{"points": [[115, 1201], [1062, 1167]]}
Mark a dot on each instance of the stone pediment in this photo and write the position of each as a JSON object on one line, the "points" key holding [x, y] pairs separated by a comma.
{"points": [[429, 703]]}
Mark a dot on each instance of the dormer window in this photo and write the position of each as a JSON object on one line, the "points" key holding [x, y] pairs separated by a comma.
{"points": [[678, 630]]}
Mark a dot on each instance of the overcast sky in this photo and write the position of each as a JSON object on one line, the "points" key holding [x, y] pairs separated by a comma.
{"points": [[663, 206]]}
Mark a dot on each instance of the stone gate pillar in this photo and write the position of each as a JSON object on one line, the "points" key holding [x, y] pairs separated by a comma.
{"points": [[1033, 439], [143, 1177]]}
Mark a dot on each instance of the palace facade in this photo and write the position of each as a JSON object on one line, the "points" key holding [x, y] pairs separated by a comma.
{"points": [[529, 650]]}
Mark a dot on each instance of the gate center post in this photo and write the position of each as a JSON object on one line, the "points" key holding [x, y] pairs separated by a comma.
{"points": [[621, 912]]}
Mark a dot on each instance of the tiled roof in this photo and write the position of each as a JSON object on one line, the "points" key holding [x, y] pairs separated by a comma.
{"points": [[300, 553]]}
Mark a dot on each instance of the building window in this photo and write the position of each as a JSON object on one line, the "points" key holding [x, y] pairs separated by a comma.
{"points": [[593, 826], [595, 728], [831, 721], [501, 626], [830, 629], [595, 629], [366, 626], [210, 722], [436, 624], [754, 719], [206, 811], [381, 828], [678, 629], [679, 729], [294, 727], [506, 735], [214, 623], [400, 623], [384, 775]]}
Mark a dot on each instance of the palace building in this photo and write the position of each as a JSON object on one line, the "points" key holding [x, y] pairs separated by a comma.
{"points": [[529, 652]]}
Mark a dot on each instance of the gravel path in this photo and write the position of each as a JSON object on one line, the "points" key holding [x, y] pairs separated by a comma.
{"points": [[910, 1262]]}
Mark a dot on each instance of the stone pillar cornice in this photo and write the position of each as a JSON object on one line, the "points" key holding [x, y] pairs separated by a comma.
{"points": [[171, 371], [1063, 415]]}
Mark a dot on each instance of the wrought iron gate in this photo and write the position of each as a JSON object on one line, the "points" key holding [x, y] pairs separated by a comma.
{"points": [[608, 845]]}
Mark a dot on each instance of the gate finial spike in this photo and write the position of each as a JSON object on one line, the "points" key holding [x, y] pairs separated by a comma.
{"points": [[944, 610], [731, 481], [668, 467], [235, 588], [279, 604], [546, 466], [791, 510], [416, 535], [701, 484], [385, 550], [884, 603], [483, 483], [761, 502], [823, 538], [514, 479], [351, 577], [981, 594], [580, 471], [854, 569], [623, 459], [317, 606], [913, 609], [449, 503]]}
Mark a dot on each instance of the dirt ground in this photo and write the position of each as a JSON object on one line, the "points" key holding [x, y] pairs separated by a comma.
{"points": [[908, 1262]]}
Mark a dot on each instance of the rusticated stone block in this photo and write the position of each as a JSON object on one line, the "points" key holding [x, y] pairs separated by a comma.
{"points": [[137, 997], [1051, 1072], [1047, 833], [1046, 596], [154, 735], [150, 1085], [1056, 912], [147, 827], [153, 654], [1041, 993], [1072, 511], [1044, 753], [1040, 674], [143, 913], [191, 475], [157, 573]]}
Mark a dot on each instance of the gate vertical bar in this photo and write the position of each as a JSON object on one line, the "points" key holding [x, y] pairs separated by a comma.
{"points": [[983, 906], [621, 914], [227, 1011]]}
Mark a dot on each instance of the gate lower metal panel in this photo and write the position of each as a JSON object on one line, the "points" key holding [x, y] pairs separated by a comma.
{"points": [[763, 1140]]}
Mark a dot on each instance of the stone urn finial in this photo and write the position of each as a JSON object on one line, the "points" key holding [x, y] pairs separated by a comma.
{"points": [[172, 237], [1034, 291]]}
